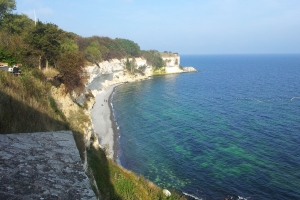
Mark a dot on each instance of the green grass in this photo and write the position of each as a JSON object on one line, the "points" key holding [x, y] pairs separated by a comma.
{"points": [[24, 106], [115, 182], [160, 71]]}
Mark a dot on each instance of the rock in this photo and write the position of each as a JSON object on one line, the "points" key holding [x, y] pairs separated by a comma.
{"points": [[166, 192], [42, 166], [189, 69]]}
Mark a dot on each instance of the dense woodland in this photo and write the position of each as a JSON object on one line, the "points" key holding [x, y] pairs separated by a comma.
{"points": [[39, 45]]}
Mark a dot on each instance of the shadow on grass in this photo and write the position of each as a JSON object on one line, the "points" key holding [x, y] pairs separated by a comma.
{"points": [[17, 117], [99, 164]]}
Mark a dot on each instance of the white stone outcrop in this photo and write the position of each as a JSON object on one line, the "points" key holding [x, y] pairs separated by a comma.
{"points": [[112, 72], [172, 62], [166, 192], [171, 59], [189, 69], [173, 69]]}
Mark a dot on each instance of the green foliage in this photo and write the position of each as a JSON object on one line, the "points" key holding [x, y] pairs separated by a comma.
{"points": [[142, 69], [129, 47], [46, 39], [13, 48], [69, 45], [38, 74], [55, 108], [110, 48], [7, 56], [99, 165], [92, 52], [131, 66], [6, 6], [114, 182], [153, 58], [24, 105], [28, 84], [17, 24]]}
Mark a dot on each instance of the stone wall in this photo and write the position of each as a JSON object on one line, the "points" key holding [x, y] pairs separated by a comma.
{"points": [[42, 166]]}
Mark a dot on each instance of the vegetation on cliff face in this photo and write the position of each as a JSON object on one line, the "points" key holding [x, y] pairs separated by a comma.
{"points": [[153, 58], [119, 184], [26, 104]]}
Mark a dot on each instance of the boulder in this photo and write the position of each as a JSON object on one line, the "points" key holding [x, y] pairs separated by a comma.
{"points": [[166, 192]]}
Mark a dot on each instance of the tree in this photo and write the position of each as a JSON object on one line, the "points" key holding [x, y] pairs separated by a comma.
{"points": [[69, 45], [16, 24], [70, 65], [6, 6], [131, 65], [129, 47], [92, 53], [46, 39], [7, 56], [153, 58]]}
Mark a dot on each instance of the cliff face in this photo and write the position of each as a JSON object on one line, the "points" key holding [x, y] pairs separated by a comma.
{"points": [[100, 77], [105, 74], [112, 72], [172, 61]]}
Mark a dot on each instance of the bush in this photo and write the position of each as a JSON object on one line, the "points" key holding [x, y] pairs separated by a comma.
{"points": [[153, 58], [70, 66]]}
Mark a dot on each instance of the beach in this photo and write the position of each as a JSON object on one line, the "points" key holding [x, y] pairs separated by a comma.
{"points": [[103, 123]]}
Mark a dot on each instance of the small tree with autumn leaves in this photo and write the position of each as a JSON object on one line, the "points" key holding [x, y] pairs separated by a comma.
{"points": [[70, 65]]}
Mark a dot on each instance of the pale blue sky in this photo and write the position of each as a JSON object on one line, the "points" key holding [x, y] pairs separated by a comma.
{"points": [[183, 26]]}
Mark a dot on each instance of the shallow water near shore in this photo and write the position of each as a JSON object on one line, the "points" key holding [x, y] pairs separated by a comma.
{"points": [[233, 128]]}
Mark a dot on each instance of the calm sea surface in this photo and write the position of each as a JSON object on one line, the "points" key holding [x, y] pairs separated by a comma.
{"points": [[233, 128]]}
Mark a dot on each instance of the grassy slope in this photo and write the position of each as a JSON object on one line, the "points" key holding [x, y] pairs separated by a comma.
{"points": [[25, 106]]}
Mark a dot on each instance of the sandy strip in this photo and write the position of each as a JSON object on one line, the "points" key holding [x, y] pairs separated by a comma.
{"points": [[102, 119]]}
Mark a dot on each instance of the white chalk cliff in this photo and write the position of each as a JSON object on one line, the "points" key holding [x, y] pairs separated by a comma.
{"points": [[172, 62], [114, 71]]}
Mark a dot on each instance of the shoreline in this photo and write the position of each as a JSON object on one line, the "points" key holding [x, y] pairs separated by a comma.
{"points": [[114, 126], [103, 121]]}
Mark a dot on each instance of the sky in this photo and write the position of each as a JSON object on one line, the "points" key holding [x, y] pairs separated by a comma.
{"points": [[183, 26]]}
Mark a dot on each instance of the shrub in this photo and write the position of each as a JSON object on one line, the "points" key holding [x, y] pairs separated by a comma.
{"points": [[70, 66]]}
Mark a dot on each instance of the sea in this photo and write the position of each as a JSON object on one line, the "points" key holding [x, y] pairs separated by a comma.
{"points": [[230, 130]]}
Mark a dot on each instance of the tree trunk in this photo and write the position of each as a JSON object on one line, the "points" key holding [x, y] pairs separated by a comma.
{"points": [[47, 63], [40, 60]]}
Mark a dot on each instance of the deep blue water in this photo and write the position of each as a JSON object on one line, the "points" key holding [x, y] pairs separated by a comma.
{"points": [[233, 128]]}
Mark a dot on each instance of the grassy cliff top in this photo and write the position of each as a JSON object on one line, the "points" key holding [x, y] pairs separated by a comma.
{"points": [[168, 54]]}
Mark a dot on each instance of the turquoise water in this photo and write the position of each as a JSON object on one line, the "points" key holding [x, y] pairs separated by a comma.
{"points": [[231, 129]]}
